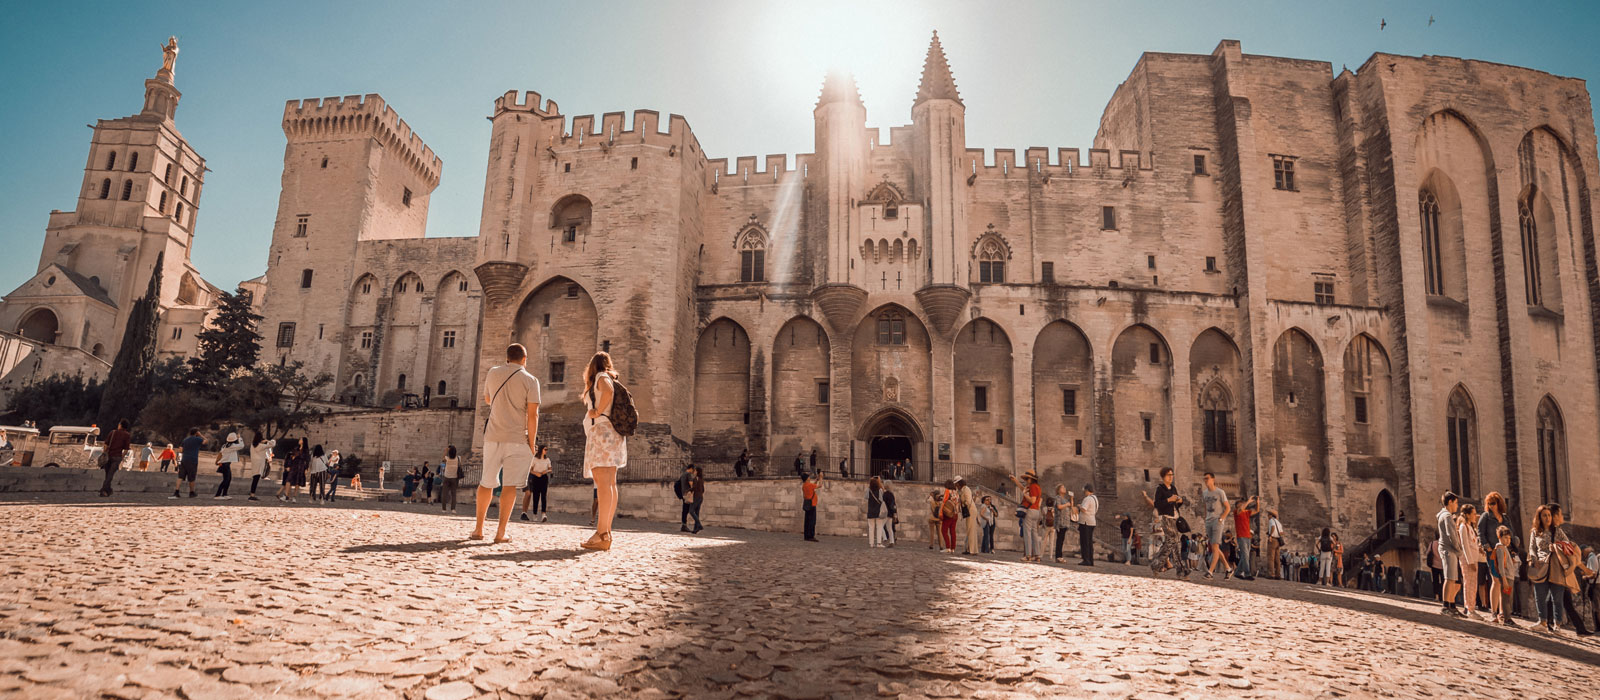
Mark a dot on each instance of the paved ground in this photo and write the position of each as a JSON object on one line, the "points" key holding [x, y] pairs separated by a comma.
{"points": [[142, 598]]}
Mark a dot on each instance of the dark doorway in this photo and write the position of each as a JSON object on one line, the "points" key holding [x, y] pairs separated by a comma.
{"points": [[891, 440], [1385, 508]]}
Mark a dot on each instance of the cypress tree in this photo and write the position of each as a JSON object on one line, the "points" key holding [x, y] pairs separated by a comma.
{"points": [[230, 344], [126, 390]]}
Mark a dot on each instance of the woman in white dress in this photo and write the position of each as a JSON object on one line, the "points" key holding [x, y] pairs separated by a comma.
{"points": [[604, 451]]}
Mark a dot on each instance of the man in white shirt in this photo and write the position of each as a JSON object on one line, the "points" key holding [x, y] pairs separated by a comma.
{"points": [[1274, 544], [1086, 510], [512, 396]]}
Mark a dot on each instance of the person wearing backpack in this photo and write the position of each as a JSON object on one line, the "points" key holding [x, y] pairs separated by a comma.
{"points": [[512, 395], [606, 425]]}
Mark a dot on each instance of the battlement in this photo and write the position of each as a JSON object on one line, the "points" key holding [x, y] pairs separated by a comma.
{"points": [[615, 128], [746, 172], [361, 115], [1068, 162], [529, 103]]}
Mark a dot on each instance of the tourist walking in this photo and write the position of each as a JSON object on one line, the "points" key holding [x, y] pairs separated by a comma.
{"points": [[697, 494], [1214, 503], [512, 395], [1242, 533], [317, 471], [1449, 551], [891, 513], [189, 462], [537, 499], [988, 515], [1061, 517], [969, 508], [167, 457], [260, 462], [146, 454], [680, 488], [875, 513], [117, 445], [1570, 558], [1274, 546], [294, 470], [810, 494], [1544, 569], [1325, 557], [605, 451], [1166, 503], [227, 456], [427, 481], [1032, 516], [408, 490], [330, 476], [1086, 510]]}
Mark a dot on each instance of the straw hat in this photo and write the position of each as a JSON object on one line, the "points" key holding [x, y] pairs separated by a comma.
{"points": [[1030, 475]]}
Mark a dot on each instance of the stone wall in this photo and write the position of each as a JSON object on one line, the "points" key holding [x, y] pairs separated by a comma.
{"points": [[405, 438]]}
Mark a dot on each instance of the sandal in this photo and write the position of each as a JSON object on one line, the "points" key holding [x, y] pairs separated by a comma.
{"points": [[501, 540], [601, 541]]}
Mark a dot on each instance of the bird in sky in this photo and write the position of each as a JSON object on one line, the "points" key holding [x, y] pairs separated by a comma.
{"points": [[1430, 20]]}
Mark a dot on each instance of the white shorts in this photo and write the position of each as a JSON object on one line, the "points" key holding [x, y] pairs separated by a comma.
{"points": [[506, 463]]}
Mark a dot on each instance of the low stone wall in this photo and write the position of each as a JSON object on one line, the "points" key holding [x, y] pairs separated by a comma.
{"points": [[41, 479], [406, 438]]}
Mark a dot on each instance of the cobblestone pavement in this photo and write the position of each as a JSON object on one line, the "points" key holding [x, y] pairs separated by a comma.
{"points": [[146, 598]]}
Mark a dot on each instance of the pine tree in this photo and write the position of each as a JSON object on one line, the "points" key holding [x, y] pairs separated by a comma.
{"points": [[230, 344], [126, 387]]}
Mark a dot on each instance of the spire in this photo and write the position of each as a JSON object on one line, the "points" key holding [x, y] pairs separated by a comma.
{"points": [[160, 95], [839, 86], [937, 83]]}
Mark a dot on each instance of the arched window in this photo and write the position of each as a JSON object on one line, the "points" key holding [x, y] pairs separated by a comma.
{"points": [[111, 161], [1552, 452], [1432, 257], [891, 328], [441, 387], [105, 188], [869, 250], [1530, 253], [162, 207], [183, 186], [133, 162], [1217, 403], [899, 250], [572, 215], [991, 262], [911, 250], [1461, 434], [177, 213], [127, 190], [752, 242]]}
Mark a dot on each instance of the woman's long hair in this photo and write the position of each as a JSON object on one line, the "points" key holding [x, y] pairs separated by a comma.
{"points": [[601, 362], [1495, 503], [316, 451], [875, 485], [451, 453], [1540, 517]]}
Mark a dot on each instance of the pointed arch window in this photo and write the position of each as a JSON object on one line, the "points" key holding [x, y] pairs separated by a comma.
{"points": [[1552, 452], [1219, 429], [133, 162], [1461, 435], [127, 190], [1530, 254], [752, 244], [991, 262], [1432, 258], [891, 328], [111, 161], [105, 188]]}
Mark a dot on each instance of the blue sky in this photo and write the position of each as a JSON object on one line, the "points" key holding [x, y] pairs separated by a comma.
{"points": [[745, 73]]}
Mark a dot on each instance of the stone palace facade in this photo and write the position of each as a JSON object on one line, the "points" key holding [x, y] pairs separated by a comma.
{"points": [[1344, 292]]}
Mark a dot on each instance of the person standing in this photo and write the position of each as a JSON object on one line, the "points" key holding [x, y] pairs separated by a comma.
{"points": [[1338, 562], [1241, 532], [680, 488], [189, 463], [934, 518], [697, 496], [117, 445], [330, 476], [1061, 517], [1086, 510], [1325, 557], [1125, 528], [741, 466], [227, 456], [427, 481], [800, 464], [167, 457], [605, 451], [1486, 537], [987, 516], [383, 472], [1215, 504], [949, 513], [317, 471], [875, 512], [260, 461], [537, 499], [292, 461], [891, 514], [1275, 567], [1570, 560], [1032, 507], [512, 395], [1449, 551], [969, 509], [813, 461], [1501, 579], [451, 468], [810, 493], [844, 473], [146, 454], [1166, 503]]}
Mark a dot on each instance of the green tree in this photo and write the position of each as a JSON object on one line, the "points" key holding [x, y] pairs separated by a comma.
{"points": [[231, 344], [275, 399], [127, 388], [59, 399]]}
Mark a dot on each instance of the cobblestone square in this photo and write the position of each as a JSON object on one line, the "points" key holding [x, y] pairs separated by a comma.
{"points": [[141, 597]]}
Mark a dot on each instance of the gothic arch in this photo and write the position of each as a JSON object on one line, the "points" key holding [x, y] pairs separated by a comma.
{"points": [[1371, 422], [1063, 402], [1541, 259], [559, 325], [1555, 479], [892, 363], [884, 193], [1139, 409], [573, 211], [40, 324], [991, 242], [752, 235], [1299, 414], [1461, 442], [721, 391], [985, 431], [801, 387]]}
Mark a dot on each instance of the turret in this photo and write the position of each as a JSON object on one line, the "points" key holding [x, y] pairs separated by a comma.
{"points": [[841, 147], [939, 122]]}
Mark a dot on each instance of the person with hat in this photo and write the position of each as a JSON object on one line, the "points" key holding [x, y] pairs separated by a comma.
{"points": [[225, 461], [969, 514], [1032, 502]]}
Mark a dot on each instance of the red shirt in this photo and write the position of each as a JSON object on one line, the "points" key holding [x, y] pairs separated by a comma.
{"points": [[810, 492], [1241, 522], [1035, 496]]}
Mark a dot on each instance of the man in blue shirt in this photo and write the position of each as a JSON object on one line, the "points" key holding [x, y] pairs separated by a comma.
{"points": [[188, 462]]}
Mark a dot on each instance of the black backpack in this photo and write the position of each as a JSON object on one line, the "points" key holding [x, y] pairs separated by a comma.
{"points": [[624, 417]]}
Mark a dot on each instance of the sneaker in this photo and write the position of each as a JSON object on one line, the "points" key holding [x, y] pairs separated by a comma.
{"points": [[173, 497], [1227, 574], [543, 517], [683, 528], [252, 498], [292, 500], [524, 516], [191, 494]]}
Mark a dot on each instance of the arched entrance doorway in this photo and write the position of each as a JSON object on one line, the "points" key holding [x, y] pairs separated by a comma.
{"points": [[1385, 508], [892, 440], [40, 325]]}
